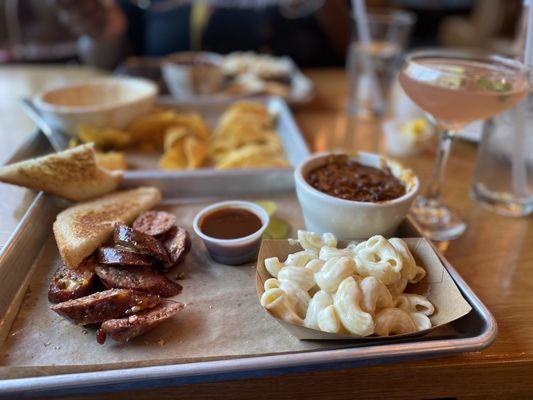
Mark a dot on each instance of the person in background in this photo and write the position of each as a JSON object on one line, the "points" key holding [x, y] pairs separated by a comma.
{"points": [[30, 30], [312, 32], [491, 25]]}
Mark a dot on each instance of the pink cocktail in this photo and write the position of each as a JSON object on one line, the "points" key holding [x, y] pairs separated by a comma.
{"points": [[456, 88]]}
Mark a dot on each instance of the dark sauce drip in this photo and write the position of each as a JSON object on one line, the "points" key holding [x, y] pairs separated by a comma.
{"points": [[230, 223], [347, 179]]}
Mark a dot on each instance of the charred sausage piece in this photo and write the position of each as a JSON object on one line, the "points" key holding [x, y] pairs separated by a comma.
{"points": [[72, 283], [100, 336], [125, 329], [154, 223], [138, 278], [177, 245], [101, 306], [140, 242], [114, 256]]}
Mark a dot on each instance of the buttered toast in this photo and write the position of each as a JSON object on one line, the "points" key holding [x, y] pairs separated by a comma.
{"points": [[81, 229], [73, 174]]}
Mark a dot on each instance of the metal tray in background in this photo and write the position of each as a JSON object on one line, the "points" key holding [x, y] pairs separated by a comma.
{"points": [[147, 172], [472, 332]]}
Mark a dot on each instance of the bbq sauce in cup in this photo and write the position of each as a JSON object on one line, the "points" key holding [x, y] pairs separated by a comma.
{"points": [[231, 230], [230, 223]]}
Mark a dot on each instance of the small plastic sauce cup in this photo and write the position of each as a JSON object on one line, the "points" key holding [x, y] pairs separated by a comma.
{"points": [[232, 251]]}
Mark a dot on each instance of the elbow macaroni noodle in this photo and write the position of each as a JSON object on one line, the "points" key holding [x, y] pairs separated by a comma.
{"points": [[357, 290], [334, 271], [297, 297], [376, 257], [394, 320], [347, 302], [299, 259], [375, 294], [275, 301], [328, 252], [328, 320], [414, 303], [320, 301], [312, 243], [315, 265], [421, 321], [302, 277], [410, 270]]}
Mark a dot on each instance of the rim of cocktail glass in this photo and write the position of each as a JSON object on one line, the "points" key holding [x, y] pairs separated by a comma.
{"points": [[465, 54]]}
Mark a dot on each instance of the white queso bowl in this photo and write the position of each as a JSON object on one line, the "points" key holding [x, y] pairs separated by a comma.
{"points": [[102, 102], [349, 219]]}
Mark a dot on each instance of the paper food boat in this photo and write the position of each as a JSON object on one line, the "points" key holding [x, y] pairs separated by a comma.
{"points": [[438, 286]]}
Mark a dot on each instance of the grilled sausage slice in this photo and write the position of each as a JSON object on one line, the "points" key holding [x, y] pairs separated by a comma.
{"points": [[101, 306], [114, 256], [125, 329], [178, 245], [69, 283], [154, 223], [138, 278], [140, 242]]}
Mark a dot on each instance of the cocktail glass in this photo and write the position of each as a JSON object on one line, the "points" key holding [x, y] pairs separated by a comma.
{"points": [[455, 88]]}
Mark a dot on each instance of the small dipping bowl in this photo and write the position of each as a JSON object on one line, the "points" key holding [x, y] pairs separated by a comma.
{"points": [[232, 251]]}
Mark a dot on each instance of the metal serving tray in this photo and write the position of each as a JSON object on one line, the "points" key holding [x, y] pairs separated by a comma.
{"points": [[147, 172], [472, 332]]}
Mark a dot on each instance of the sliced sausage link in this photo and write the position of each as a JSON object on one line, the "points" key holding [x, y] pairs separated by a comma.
{"points": [[72, 283], [101, 306], [138, 278], [140, 242], [178, 246], [125, 329], [115, 256], [154, 223]]}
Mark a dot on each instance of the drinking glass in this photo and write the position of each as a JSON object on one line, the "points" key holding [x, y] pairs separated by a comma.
{"points": [[389, 32], [456, 88], [503, 178]]}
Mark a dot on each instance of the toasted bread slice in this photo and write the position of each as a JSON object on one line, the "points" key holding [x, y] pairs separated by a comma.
{"points": [[81, 229], [72, 174]]}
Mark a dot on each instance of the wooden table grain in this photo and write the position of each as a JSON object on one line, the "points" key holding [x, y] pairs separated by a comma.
{"points": [[495, 257]]}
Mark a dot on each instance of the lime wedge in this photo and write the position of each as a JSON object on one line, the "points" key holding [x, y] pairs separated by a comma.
{"points": [[494, 85], [277, 229], [450, 82], [269, 206]]}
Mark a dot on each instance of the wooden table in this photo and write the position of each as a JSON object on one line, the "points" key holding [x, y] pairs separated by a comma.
{"points": [[495, 256]]}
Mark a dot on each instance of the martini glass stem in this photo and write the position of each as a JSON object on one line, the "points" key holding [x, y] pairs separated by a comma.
{"points": [[443, 151]]}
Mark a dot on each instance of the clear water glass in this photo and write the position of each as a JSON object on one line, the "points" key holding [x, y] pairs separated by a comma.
{"points": [[389, 32], [503, 178]]}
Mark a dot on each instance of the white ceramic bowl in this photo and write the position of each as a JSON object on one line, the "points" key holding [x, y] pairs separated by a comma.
{"points": [[178, 71], [102, 102], [232, 251], [348, 219]]}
